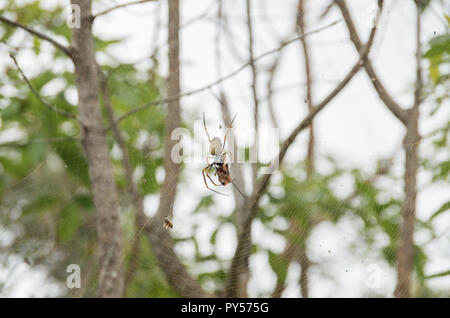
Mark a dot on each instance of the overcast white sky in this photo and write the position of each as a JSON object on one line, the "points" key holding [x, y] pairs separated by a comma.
{"points": [[355, 128]]}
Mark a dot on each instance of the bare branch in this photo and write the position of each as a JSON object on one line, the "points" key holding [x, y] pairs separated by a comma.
{"points": [[272, 70], [62, 47], [406, 250], [36, 93], [132, 189], [253, 81], [240, 259], [103, 186], [293, 249], [220, 80], [160, 239], [269, 87], [419, 79], [120, 6], [174, 271], [384, 95], [242, 251], [300, 26], [235, 169]]}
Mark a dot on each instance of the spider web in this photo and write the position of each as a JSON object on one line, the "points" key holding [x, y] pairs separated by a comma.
{"points": [[204, 233]]}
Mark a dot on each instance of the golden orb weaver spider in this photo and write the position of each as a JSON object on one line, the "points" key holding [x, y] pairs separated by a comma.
{"points": [[216, 149]]}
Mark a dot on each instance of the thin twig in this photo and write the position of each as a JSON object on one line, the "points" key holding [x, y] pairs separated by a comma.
{"points": [[270, 90], [132, 188], [384, 95], [119, 6], [405, 249], [220, 80], [240, 259], [300, 26], [62, 47], [253, 82], [303, 255], [50, 140], [419, 80], [240, 256], [51, 107], [160, 239]]}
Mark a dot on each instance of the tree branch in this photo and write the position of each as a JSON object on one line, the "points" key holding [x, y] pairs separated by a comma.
{"points": [[220, 80], [235, 170], [240, 259], [63, 48], [406, 250], [242, 251], [132, 189], [253, 83], [104, 189], [38, 96], [382, 92], [303, 256], [119, 6], [160, 239], [300, 26], [419, 79], [269, 87]]}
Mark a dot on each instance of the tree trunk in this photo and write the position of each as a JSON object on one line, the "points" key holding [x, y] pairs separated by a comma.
{"points": [[110, 279], [172, 169], [307, 63], [405, 250], [160, 239], [304, 264]]}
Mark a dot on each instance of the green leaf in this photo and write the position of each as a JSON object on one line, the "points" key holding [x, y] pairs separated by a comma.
{"points": [[75, 163], [420, 260], [438, 45], [69, 221], [389, 254], [441, 274], [36, 45], [447, 17], [204, 204], [435, 62], [101, 45], [41, 204], [279, 265], [444, 207]]}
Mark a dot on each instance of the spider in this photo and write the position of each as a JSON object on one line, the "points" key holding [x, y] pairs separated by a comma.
{"points": [[168, 223], [216, 149]]}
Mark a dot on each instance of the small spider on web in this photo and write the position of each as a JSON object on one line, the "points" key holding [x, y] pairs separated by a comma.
{"points": [[216, 149], [168, 223]]}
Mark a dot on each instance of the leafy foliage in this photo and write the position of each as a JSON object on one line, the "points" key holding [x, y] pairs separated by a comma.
{"points": [[45, 181]]}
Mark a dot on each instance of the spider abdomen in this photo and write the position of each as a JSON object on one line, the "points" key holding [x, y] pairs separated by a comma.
{"points": [[223, 174], [215, 146]]}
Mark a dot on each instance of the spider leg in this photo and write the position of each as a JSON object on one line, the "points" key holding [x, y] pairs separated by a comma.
{"points": [[204, 126], [232, 182], [224, 155], [207, 174], [231, 126], [206, 184], [209, 157]]}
